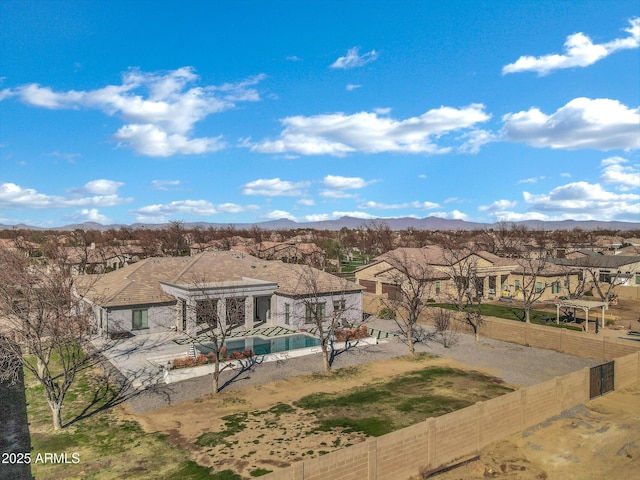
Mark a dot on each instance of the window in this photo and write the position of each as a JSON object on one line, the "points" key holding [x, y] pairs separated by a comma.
{"points": [[183, 314], [235, 310], [287, 314], [539, 287], [555, 287], [339, 305], [437, 288], [207, 312], [637, 278], [314, 312], [139, 319], [517, 285]]}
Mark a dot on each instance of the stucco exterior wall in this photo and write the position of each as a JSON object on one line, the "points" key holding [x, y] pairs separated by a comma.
{"points": [[160, 319], [297, 309]]}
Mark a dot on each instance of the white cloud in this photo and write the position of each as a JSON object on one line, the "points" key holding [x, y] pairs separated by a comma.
{"points": [[397, 206], [508, 216], [308, 202], [453, 215], [279, 214], [98, 187], [164, 184], [235, 208], [615, 172], [601, 124], [580, 51], [586, 201], [336, 194], [565, 175], [338, 134], [274, 187], [159, 109], [69, 157], [336, 186], [15, 196], [531, 180], [338, 182], [351, 87], [319, 217], [89, 215], [151, 141], [353, 59], [474, 139], [498, 205]]}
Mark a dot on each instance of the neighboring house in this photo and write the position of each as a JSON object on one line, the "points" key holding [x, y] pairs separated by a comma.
{"points": [[546, 280], [492, 272], [623, 270], [157, 294], [581, 253], [101, 259], [288, 252], [495, 276], [29, 249]]}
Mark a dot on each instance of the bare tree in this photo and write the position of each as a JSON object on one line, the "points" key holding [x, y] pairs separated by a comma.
{"points": [[605, 283], [466, 292], [531, 283], [215, 317], [411, 285], [173, 239], [326, 307], [46, 326], [445, 333]]}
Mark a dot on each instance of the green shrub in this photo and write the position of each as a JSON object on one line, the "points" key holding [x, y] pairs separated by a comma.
{"points": [[387, 313]]}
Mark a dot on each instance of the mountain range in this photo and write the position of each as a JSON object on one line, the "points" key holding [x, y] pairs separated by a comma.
{"points": [[427, 223]]}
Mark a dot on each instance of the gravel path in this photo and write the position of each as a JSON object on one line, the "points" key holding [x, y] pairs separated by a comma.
{"points": [[515, 364]]}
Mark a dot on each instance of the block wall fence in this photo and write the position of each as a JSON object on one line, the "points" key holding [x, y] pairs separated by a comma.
{"points": [[459, 436]]}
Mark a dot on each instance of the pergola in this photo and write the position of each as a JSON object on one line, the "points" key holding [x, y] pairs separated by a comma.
{"points": [[585, 305]]}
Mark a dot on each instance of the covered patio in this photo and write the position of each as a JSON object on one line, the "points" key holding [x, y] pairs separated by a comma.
{"points": [[585, 305]]}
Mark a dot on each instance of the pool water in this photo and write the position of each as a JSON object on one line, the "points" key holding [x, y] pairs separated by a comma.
{"points": [[265, 345]]}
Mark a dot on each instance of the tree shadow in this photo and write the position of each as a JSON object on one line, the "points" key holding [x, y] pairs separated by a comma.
{"points": [[246, 365], [112, 389]]}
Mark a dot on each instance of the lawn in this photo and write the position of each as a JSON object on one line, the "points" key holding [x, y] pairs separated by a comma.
{"points": [[408, 399], [111, 444], [325, 420], [512, 313], [108, 447]]}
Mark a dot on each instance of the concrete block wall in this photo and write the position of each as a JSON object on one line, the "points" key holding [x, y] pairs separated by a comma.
{"points": [[459, 435], [627, 370], [500, 417]]}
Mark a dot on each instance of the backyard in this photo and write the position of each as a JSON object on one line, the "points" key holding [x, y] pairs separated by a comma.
{"points": [[249, 431]]}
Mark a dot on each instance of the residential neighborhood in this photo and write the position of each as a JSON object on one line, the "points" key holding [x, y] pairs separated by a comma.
{"points": [[319, 240]]}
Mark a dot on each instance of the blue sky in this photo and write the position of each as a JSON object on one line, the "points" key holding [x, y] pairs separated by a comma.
{"points": [[244, 111]]}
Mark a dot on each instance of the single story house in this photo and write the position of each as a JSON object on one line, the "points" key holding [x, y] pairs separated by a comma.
{"points": [[621, 269], [158, 294], [441, 266]]}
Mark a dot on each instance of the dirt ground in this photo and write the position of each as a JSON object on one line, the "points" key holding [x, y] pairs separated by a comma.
{"points": [[270, 440], [598, 441]]}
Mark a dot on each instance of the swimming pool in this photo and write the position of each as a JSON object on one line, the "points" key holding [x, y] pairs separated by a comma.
{"points": [[265, 345]]}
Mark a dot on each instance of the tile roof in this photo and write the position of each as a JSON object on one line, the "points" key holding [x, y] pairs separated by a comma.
{"points": [[139, 283]]}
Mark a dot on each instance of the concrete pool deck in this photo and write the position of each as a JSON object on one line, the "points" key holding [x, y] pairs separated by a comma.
{"points": [[142, 359]]}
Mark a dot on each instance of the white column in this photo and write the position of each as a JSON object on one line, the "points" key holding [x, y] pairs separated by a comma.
{"points": [[248, 312]]}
